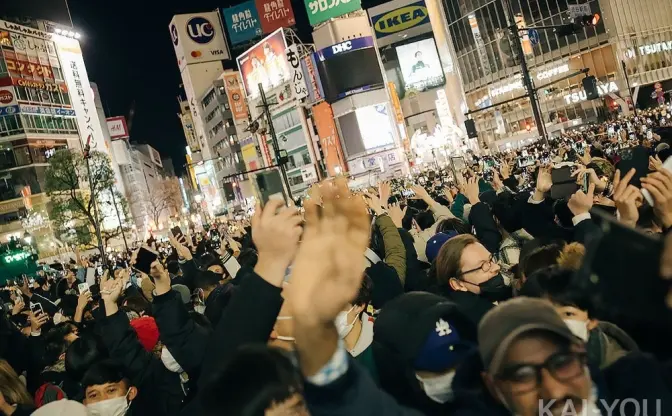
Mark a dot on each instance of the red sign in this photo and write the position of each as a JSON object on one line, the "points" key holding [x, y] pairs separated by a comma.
{"points": [[331, 145], [275, 14], [6, 97], [235, 93]]}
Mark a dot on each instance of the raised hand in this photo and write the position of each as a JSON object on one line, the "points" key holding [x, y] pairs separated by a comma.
{"points": [[626, 197], [659, 185], [471, 190], [421, 193], [397, 214], [655, 163], [275, 231], [544, 180], [384, 192], [580, 202], [375, 204], [36, 321], [329, 265], [183, 252]]}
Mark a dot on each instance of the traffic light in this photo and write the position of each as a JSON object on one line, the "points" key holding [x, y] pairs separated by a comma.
{"points": [[470, 125], [590, 87], [589, 20]]}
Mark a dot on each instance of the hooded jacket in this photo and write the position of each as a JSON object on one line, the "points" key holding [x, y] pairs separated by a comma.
{"points": [[607, 343]]}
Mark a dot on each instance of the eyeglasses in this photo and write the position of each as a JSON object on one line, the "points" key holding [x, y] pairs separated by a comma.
{"points": [[563, 366], [486, 266]]}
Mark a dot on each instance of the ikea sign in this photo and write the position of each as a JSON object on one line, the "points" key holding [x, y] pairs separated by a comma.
{"points": [[400, 19]]}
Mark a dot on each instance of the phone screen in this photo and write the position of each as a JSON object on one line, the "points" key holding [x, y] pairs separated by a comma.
{"points": [[144, 260], [36, 308]]}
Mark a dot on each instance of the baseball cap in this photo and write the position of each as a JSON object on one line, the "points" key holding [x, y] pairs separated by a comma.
{"points": [[500, 327], [435, 243]]}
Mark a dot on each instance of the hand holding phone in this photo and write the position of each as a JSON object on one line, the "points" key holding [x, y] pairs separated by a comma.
{"points": [[144, 260]]}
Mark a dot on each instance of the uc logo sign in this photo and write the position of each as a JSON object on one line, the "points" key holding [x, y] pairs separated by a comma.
{"points": [[200, 30], [173, 34], [401, 19]]}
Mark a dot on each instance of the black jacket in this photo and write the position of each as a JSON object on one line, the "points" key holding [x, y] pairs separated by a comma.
{"points": [[485, 227], [159, 390], [249, 318]]}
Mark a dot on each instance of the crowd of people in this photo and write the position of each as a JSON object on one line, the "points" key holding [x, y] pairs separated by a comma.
{"points": [[506, 288]]}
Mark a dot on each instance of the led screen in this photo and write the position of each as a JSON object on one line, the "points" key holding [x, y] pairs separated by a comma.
{"points": [[420, 65]]}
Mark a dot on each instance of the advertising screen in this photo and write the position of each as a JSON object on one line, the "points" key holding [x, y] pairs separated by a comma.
{"points": [[264, 64], [348, 72], [375, 126], [420, 65]]}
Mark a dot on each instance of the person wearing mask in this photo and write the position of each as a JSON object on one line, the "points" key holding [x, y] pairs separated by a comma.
{"points": [[109, 392], [420, 339], [605, 342], [468, 274]]}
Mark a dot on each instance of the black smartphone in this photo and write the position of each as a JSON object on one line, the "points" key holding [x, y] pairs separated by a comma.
{"points": [[564, 185], [613, 257], [177, 231], [634, 157], [562, 175], [144, 260]]}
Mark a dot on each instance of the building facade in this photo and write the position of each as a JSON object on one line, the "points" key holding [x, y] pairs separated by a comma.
{"points": [[490, 68]]}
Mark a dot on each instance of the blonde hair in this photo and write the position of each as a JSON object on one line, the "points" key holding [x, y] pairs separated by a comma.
{"points": [[571, 256], [11, 387]]}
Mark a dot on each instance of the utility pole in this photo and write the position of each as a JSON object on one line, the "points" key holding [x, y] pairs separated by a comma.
{"points": [[121, 226], [274, 140], [627, 82]]}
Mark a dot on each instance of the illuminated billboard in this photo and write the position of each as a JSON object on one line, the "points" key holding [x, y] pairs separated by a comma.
{"points": [[420, 65], [264, 64]]}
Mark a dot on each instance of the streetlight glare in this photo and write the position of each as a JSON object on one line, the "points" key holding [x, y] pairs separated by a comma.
{"points": [[77, 35]]}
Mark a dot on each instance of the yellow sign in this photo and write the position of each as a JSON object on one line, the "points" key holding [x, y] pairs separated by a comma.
{"points": [[400, 19]]}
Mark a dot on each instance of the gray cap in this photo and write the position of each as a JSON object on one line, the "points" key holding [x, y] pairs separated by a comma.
{"points": [[500, 327], [184, 292]]}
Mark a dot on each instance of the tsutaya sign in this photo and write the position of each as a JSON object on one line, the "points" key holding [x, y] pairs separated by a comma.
{"points": [[580, 96], [650, 49]]}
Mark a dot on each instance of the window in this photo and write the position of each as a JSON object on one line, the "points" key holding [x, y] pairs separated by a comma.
{"points": [[306, 158]]}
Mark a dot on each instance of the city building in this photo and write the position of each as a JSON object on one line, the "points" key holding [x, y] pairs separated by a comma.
{"points": [[490, 70], [45, 95]]}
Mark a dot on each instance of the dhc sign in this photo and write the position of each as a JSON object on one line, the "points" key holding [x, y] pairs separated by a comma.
{"points": [[343, 47], [400, 19]]}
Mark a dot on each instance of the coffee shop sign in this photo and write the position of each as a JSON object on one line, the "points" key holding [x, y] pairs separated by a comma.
{"points": [[580, 96]]}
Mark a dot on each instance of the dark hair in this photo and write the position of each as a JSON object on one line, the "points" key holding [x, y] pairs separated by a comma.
{"points": [[503, 208], [248, 257], [104, 372], [595, 152], [558, 286], [256, 377], [206, 279], [425, 219], [173, 267], [55, 343], [364, 294], [540, 258], [453, 224], [82, 354], [418, 52], [138, 304]]}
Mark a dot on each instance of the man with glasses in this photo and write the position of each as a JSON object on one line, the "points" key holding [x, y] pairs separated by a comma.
{"points": [[535, 365]]}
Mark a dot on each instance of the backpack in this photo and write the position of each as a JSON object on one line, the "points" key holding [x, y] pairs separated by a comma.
{"points": [[47, 393]]}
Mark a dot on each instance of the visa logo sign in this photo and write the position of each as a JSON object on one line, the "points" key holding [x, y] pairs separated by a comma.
{"points": [[400, 19], [341, 47]]}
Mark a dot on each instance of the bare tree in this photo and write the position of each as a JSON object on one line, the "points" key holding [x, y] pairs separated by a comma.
{"points": [[157, 201]]}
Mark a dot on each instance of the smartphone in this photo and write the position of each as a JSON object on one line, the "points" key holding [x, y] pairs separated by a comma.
{"points": [[562, 175], [586, 182], [634, 158], [83, 287], [649, 134], [36, 308], [91, 276], [144, 260], [615, 255], [176, 231], [564, 185]]}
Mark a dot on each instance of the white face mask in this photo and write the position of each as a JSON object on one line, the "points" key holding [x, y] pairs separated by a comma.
{"points": [[199, 309], [578, 328], [110, 407], [342, 325], [439, 389], [58, 318], [282, 337], [169, 361]]}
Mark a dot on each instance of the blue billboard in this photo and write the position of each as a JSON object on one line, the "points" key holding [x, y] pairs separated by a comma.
{"points": [[242, 22]]}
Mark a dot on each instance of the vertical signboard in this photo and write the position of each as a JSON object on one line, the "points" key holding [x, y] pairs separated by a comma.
{"points": [[242, 22], [275, 14], [81, 94], [315, 92], [197, 38], [323, 10], [329, 141], [296, 73], [398, 115], [234, 92]]}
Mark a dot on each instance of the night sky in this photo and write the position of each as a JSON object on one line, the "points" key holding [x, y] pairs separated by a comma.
{"points": [[129, 54]]}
